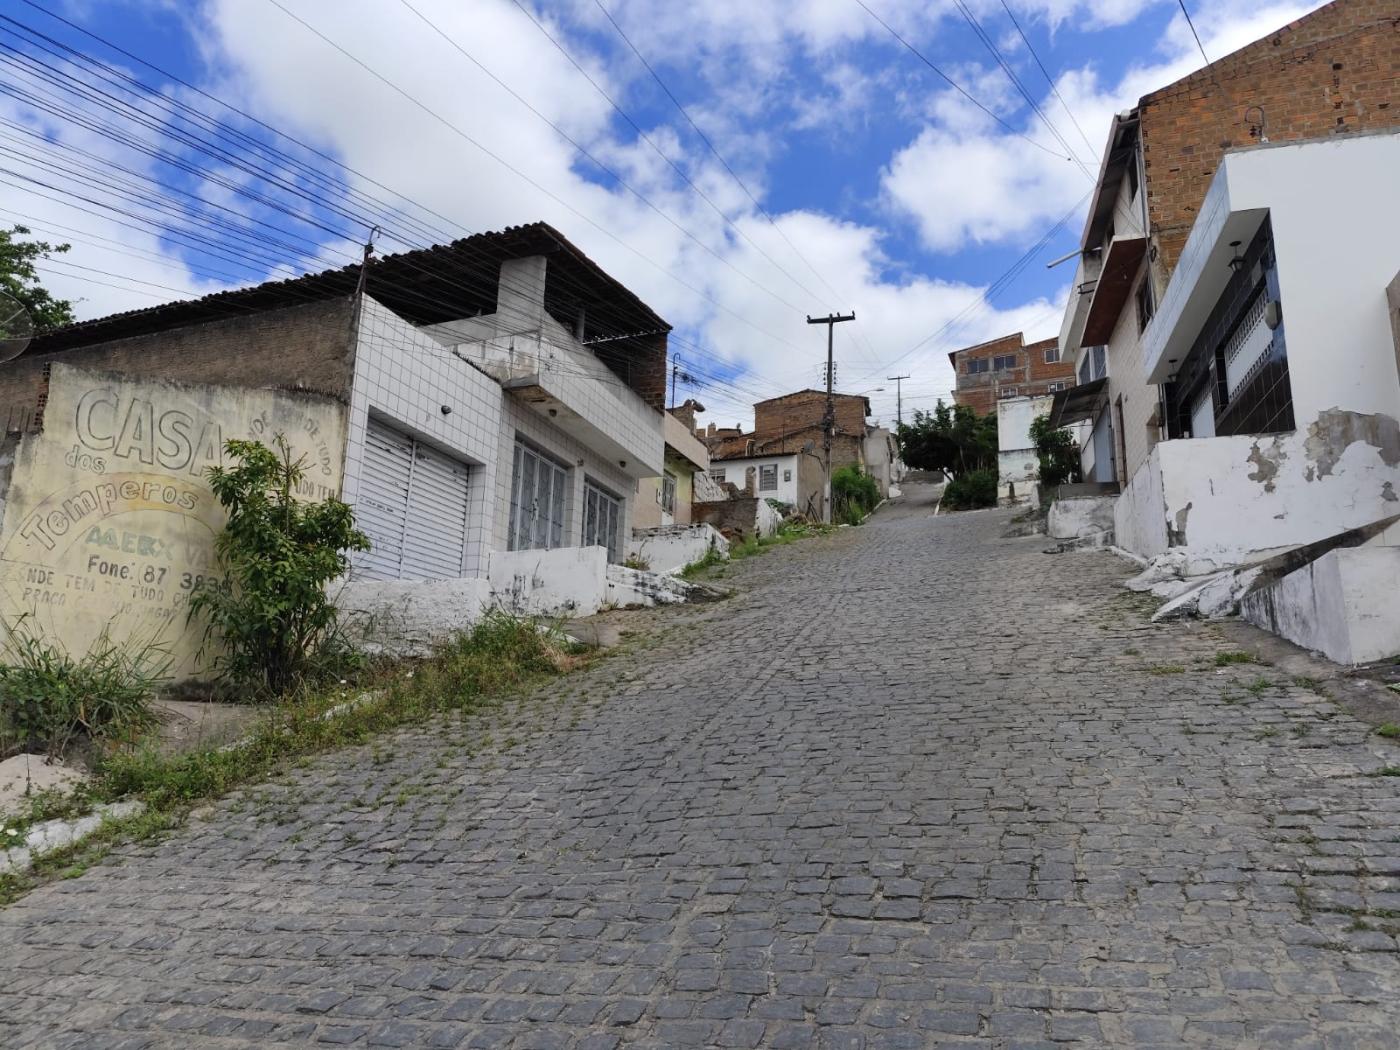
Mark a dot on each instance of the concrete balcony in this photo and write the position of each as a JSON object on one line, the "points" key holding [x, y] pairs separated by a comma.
{"points": [[538, 361]]}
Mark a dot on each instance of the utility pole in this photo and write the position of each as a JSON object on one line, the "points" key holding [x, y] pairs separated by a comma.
{"points": [[898, 398], [829, 418]]}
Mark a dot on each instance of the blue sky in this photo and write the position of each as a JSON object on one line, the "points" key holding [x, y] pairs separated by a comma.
{"points": [[879, 188]]}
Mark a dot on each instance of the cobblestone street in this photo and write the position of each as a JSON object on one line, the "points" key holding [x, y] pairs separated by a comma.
{"points": [[914, 785]]}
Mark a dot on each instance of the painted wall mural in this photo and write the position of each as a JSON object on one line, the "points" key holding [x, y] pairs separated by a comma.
{"points": [[109, 522]]}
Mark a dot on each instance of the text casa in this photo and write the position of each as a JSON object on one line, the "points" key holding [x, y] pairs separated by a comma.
{"points": [[131, 428]]}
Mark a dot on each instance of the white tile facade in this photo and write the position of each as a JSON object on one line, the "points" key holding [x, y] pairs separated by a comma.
{"points": [[405, 377]]}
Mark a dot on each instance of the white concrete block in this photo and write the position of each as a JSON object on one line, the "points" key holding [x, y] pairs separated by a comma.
{"points": [[671, 548], [567, 581], [1080, 516], [408, 617], [1345, 605]]}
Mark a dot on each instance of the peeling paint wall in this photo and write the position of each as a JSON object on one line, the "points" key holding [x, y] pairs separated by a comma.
{"points": [[1228, 500], [109, 519]]}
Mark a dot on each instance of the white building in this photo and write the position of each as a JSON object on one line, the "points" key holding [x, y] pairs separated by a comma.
{"points": [[1275, 354], [773, 477], [504, 430], [1018, 465]]}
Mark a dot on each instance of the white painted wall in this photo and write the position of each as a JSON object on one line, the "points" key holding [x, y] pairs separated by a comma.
{"points": [[1239, 499], [409, 617], [1345, 605], [1140, 513], [581, 462], [405, 377], [1017, 463], [735, 470], [521, 339], [569, 581], [672, 548]]}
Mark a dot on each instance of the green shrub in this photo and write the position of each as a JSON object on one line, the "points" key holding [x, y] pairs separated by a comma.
{"points": [[271, 619], [1057, 452], [49, 699], [854, 494], [976, 488]]}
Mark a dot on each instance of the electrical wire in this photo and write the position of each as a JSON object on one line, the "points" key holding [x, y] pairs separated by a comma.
{"points": [[996, 54], [1048, 78], [958, 87], [711, 147]]}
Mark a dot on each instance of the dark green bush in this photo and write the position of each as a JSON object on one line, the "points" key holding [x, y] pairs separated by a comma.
{"points": [[1057, 451], [976, 488]]}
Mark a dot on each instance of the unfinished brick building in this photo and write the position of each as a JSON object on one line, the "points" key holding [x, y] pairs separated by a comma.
{"points": [[1007, 367]]}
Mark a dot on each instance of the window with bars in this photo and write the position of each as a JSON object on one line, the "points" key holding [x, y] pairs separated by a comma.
{"points": [[768, 478], [717, 475], [602, 521], [1145, 306], [1234, 379], [537, 490]]}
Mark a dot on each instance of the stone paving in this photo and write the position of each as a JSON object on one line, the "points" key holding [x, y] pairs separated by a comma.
{"points": [[914, 786]]}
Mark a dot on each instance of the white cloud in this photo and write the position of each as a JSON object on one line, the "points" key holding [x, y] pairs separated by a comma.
{"points": [[965, 180], [961, 178]]}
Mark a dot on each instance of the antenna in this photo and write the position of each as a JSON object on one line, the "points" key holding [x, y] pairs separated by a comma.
{"points": [[16, 327]]}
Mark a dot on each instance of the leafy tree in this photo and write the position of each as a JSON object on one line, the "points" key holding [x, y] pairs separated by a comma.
{"points": [[1057, 452], [953, 439], [272, 613], [19, 279]]}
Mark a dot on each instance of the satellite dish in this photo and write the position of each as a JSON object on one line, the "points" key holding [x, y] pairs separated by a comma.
{"points": [[16, 327]]}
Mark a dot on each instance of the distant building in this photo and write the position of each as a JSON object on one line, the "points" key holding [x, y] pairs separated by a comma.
{"points": [[785, 451], [1007, 367]]}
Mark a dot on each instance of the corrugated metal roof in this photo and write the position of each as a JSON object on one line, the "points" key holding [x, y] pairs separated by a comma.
{"points": [[426, 286]]}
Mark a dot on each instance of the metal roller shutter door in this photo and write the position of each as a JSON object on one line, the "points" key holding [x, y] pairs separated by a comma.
{"points": [[437, 517], [413, 506], [382, 504]]}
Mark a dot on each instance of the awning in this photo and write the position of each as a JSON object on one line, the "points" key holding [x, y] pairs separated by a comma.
{"points": [[1076, 403], [1120, 266]]}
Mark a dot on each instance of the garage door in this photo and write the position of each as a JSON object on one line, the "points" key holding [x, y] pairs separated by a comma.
{"points": [[412, 504]]}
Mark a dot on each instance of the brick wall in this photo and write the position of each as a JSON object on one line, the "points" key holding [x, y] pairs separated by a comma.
{"points": [[784, 416], [1030, 375], [1334, 71], [305, 347]]}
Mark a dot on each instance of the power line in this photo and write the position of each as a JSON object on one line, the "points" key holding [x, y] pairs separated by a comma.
{"points": [[714, 150], [641, 133], [1048, 78], [958, 87], [610, 172], [1192, 25], [1020, 88], [520, 174], [997, 286]]}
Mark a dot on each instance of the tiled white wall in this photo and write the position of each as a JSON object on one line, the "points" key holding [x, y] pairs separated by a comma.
{"points": [[405, 377]]}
